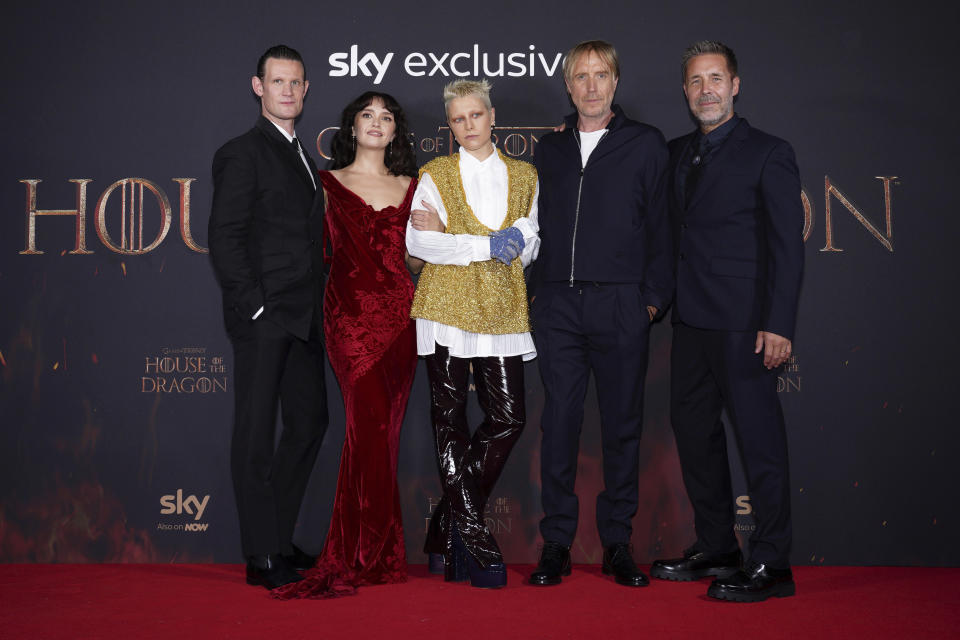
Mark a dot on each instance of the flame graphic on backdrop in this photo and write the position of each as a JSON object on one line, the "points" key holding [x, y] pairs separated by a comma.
{"points": [[81, 523]]}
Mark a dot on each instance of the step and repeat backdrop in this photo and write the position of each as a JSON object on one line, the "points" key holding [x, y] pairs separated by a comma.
{"points": [[116, 376]]}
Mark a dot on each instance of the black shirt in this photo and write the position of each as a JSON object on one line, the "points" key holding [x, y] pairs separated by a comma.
{"points": [[703, 148]]}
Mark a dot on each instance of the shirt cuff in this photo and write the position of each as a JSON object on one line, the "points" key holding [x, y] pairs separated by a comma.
{"points": [[480, 248], [257, 314]]}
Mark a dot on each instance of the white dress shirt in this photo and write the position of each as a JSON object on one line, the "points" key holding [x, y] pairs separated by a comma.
{"points": [[485, 185], [303, 158]]}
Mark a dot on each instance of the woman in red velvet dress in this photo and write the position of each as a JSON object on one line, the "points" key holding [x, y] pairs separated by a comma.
{"points": [[371, 342]]}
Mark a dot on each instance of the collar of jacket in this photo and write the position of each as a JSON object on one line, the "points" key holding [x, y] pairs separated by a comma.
{"points": [[270, 129], [615, 122]]}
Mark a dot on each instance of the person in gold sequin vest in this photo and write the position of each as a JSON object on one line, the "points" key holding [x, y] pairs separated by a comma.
{"points": [[475, 226]]}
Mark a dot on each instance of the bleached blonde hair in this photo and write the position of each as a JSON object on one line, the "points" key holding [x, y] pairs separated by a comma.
{"points": [[462, 88]]}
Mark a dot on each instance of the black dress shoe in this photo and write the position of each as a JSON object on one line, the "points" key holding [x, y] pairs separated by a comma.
{"points": [[300, 560], [554, 564], [270, 571], [697, 564], [618, 562], [754, 583]]}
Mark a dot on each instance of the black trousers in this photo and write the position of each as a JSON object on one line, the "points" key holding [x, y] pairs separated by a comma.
{"points": [[271, 367], [604, 329], [470, 465], [710, 371]]}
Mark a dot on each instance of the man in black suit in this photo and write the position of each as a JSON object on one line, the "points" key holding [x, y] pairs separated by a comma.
{"points": [[738, 226], [262, 230]]}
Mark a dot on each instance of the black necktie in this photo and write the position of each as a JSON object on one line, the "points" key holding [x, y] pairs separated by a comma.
{"points": [[295, 145], [696, 167]]}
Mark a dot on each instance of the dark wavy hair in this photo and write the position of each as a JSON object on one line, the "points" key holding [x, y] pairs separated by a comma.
{"points": [[402, 160]]}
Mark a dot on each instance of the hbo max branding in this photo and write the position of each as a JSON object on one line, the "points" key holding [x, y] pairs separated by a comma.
{"points": [[474, 63]]}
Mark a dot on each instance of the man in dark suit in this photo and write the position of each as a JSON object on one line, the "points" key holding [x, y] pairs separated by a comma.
{"points": [[738, 224], [262, 242], [603, 274]]}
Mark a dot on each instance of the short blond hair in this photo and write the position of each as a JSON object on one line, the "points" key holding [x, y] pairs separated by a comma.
{"points": [[462, 88], [604, 50]]}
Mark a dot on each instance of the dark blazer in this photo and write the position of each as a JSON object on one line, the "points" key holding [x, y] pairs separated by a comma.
{"points": [[608, 221], [739, 241], [264, 231]]}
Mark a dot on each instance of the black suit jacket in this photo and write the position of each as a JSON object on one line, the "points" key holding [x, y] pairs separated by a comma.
{"points": [[739, 241], [264, 231]]}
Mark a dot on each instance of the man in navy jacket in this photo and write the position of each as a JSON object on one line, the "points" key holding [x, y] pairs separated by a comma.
{"points": [[738, 226], [604, 272]]}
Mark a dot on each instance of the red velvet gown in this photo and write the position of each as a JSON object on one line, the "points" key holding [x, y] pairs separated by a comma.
{"points": [[371, 343]]}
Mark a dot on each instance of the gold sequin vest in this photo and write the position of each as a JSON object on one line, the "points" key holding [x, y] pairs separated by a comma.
{"points": [[482, 297]]}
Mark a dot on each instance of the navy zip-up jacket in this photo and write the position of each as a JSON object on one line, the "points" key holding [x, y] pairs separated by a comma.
{"points": [[607, 222]]}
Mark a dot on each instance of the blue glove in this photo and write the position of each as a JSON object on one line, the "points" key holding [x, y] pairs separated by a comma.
{"points": [[506, 244]]}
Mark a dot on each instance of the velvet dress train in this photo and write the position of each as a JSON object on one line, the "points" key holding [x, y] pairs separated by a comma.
{"points": [[371, 342]]}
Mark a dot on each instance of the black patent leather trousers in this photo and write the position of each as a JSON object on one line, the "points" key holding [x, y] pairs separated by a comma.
{"points": [[470, 465]]}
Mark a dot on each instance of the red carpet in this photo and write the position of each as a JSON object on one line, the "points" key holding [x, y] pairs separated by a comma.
{"points": [[212, 601]]}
